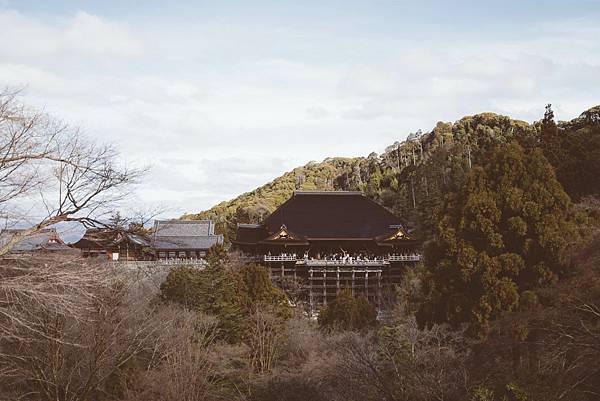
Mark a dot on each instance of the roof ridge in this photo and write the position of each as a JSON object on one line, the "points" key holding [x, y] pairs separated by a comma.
{"points": [[328, 193], [189, 236], [176, 221]]}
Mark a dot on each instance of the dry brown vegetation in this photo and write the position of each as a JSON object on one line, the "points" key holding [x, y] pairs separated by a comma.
{"points": [[72, 330]]}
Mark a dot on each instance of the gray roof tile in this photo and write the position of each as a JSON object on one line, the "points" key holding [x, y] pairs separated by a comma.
{"points": [[183, 228], [184, 234], [187, 242], [46, 239]]}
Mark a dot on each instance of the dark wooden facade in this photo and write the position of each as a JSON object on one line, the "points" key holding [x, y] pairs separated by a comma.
{"points": [[327, 241], [114, 245]]}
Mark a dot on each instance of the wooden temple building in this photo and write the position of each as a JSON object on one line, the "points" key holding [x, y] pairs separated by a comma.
{"points": [[169, 240], [45, 241], [328, 241], [183, 239], [115, 245]]}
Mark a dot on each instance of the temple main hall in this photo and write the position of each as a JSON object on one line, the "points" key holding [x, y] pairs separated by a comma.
{"points": [[323, 242]]}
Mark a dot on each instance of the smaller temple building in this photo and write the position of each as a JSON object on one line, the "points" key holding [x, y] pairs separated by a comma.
{"points": [[115, 245], [169, 240], [183, 239], [328, 241], [46, 241]]}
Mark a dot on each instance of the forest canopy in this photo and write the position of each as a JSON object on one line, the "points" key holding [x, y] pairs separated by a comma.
{"points": [[412, 177]]}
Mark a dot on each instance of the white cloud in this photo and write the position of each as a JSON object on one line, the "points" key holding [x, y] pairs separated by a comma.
{"points": [[91, 35], [220, 108], [83, 35], [553, 62]]}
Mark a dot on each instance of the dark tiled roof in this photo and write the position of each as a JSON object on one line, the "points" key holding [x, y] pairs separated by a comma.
{"points": [[106, 238], [250, 233], [138, 239], [183, 228], [333, 215], [184, 234], [187, 242], [43, 240]]}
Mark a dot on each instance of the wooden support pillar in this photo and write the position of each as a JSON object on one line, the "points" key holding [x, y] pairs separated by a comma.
{"points": [[378, 291], [310, 293], [353, 279], [367, 284], [324, 286]]}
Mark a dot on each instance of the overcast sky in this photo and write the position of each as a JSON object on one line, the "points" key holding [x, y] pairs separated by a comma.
{"points": [[221, 97]]}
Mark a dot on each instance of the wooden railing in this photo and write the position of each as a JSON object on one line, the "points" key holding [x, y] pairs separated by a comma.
{"points": [[321, 262], [404, 258], [160, 262], [346, 261], [280, 258]]}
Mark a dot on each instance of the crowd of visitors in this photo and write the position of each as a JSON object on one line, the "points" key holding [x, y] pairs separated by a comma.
{"points": [[343, 257]]}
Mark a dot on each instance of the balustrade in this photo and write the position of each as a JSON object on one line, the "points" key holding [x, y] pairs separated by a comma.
{"points": [[346, 260]]}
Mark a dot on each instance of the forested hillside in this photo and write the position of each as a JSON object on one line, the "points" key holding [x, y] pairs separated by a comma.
{"points": [[504, 307], [411, 177]]}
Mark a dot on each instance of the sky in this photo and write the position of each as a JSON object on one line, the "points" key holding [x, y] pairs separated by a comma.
{"points": [[218, 98]]}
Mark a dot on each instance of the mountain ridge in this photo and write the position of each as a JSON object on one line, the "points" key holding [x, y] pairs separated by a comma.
{"points": [[409, 177]]}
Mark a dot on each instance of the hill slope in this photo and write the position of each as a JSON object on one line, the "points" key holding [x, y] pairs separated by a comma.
{"points": [[411, 177]]}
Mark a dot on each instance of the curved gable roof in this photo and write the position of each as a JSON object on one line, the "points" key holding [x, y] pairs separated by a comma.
{"points": [[334, 214]]}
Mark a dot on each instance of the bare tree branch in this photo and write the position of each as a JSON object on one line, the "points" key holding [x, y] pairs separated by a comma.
{"points": [[55, 171]]}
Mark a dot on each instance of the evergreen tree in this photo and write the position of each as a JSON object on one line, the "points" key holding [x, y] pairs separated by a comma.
{"points": [[255, 289], [232, 295], [347, 312], [573, 148], [550, 139], [503, 233], [211, 291]]}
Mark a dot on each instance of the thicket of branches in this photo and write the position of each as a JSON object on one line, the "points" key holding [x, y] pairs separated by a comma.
{"points": [[75, 331], [50, 172]]}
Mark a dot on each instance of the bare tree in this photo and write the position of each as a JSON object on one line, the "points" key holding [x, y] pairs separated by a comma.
{"points": [[50, 173], [401, 363], [66, 329], [265, 336], [180, 366]]}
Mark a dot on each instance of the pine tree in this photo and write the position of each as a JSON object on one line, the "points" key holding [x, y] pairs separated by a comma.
{"points": [[550, 139], [504, 232]]}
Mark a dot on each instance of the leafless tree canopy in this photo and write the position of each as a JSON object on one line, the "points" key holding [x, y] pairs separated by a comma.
{"points": [[49, 172], [66, 328]]}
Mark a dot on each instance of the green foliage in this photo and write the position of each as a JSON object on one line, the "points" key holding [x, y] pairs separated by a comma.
{"points": [[211, 291], [348, 313], [230, 295], [254, 206], [504, 232], [549, 346], [255, 288], [183, 285], [482, 393], [512, 392], [216, 255], [573, 148]]}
